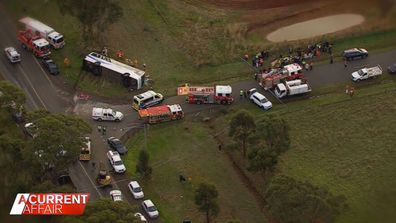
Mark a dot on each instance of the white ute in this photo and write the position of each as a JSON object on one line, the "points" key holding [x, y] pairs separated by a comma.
{"points": [[106, 114], [366, 73], [259, 99], [12, 55], [289, 88], [116, 161]]}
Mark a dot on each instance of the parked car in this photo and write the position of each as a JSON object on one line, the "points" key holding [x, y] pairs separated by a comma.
{"points": [[116, 144], [392, 69], [12, 55], [140, 217], [355, 53], [116, 161], [259, 99], [135, 189], [116, 195], [31, 129], [50, 66], [150, 209]]}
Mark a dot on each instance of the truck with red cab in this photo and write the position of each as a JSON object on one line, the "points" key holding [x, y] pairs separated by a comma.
{"points": [[39, 46], [218, 94], [287, 73]]}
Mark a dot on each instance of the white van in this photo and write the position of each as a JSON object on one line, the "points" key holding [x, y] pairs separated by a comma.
{"points": [[146, 99]]}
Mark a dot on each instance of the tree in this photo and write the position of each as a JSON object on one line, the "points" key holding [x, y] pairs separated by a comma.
{"points": [[293, 201], [142, 166], [10, 95], [205, 198], [105, 210], [262, 159], [57, 143], [272, 139], [94, 17], [274, 132], [242, 126]]}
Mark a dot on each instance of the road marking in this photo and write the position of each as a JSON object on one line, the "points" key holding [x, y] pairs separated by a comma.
{"points": [[94, 186], [45, 73], [31, 85]]}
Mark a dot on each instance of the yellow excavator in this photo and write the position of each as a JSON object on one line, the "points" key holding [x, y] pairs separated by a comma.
{"points": [[104, 178]]}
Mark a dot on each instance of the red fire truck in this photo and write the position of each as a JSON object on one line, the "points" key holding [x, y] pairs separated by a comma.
{"points": [[219, 94], [39, 46], [162, 113], [289, 72]]}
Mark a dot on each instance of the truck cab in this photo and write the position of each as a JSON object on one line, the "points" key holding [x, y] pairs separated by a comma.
{"points": [[106, 114], [56, 40]]}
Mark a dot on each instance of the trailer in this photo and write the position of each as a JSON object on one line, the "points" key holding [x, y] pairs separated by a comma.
{"points": [[54, 38], [367, 73], [162, 113], [39, 46], [272, 78], [218, 94], [114, 70], [294, 87]]}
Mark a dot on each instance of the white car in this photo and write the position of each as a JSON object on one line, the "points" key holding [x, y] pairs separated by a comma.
{"points": [[140, 217], [12, 55], [135, 189], [116, 161], [116, 195], [259, 99], [150, 209]]}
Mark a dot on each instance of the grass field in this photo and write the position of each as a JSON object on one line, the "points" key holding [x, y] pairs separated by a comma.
{"points": [[179, 43], [342, 143], [187, 148]]}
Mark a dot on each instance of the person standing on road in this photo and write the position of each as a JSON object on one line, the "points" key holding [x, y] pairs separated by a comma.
{"points": [[241, 94], [345, 63], [331, 59], [311, 65]]}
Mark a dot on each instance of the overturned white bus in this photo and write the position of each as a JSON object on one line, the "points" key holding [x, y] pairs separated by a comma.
{"points": [[114, 71]]}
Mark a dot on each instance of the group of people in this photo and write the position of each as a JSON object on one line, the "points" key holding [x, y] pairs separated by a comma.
{"points": [[304, 57], [120, 55]]}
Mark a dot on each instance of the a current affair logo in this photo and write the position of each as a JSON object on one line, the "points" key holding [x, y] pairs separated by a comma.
{"points": [[49, 204]]}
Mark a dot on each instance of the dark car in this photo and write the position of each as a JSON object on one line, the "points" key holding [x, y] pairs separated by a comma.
{"points": [[50, 66], [116, 144], [392, 69], [355, 53]]}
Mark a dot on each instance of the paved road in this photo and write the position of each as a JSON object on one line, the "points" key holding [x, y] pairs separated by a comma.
{"points": [[42, 93]]}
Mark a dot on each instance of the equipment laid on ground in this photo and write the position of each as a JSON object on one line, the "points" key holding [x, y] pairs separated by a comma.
{"points": [[85, 154], [146, 99], [366, 73], [161, 113], [106, 114], [54, 38], [289, 72], [289, 88], [218, 94], [103, 179], [114, 71], [12, 55], [39, 46]]}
